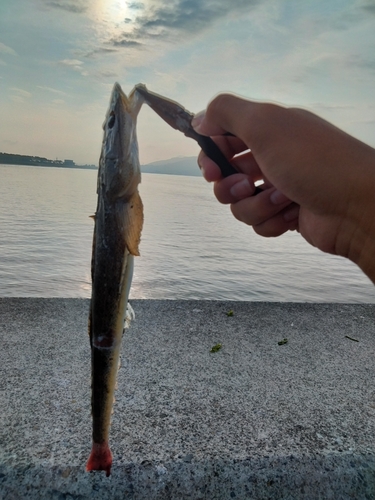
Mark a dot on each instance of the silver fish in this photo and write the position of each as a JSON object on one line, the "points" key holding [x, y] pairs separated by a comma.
{"points": [[117, 233]]}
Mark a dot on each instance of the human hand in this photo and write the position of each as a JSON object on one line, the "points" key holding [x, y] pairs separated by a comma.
{"points": [[318, 179]]}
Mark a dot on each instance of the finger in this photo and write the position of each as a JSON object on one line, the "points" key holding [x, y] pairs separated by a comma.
{"points": [[247, 164], [240, 186], [276, 226], [258, 209], [230, 145], [234, 188], [244, 163], [210, 171]]}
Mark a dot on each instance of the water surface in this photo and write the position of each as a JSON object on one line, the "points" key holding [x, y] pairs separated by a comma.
{"points": [[191, 248]]}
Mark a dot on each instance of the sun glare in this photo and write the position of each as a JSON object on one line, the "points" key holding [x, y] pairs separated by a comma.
{"points": [[113, 15], [116, 10]]}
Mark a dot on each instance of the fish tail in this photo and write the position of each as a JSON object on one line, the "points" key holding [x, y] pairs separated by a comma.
{"points": [[100, 458]]}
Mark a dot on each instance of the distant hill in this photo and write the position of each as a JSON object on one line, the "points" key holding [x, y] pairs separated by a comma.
{"points": [[182, 165]]}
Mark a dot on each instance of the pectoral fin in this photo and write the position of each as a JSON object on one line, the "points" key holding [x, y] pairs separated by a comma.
{"points": [[133, 223]]}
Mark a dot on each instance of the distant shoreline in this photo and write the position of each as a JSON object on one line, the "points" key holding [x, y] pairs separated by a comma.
{"points": [[39, 161], [85, 167], [173, 166]]}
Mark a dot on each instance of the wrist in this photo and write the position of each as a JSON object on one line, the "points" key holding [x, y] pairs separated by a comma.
{"points": [[367, 261], [363, 249], [362, 243]]}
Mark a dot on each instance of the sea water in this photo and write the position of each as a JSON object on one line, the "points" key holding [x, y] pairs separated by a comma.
{"points": [[191, 247]]}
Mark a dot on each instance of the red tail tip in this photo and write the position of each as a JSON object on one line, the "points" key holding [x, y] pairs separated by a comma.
{"points": [[100, 458]]}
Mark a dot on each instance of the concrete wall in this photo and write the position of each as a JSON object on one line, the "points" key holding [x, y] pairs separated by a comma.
{"points": [[254, 420]]}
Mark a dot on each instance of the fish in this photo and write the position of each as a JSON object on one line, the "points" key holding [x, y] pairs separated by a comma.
{"points": [[117, 234]]}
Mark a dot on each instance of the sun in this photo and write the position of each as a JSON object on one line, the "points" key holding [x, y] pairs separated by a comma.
{"points": [[112, 14], [116, 11]]}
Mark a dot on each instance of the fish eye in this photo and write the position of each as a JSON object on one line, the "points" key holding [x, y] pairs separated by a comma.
{"points": [[112, 120]]}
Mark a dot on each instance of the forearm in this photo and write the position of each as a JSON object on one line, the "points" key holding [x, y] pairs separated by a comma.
{"points": [[367, 259], [361, 216]]}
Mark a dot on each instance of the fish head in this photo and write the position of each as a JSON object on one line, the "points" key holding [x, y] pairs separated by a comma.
{"points": [[119, 169]]}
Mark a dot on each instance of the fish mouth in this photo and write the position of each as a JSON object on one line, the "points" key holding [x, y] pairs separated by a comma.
{"points": [[119, 102]]}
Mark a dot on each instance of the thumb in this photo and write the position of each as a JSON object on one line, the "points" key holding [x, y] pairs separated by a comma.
{"points": [[225, 113]]}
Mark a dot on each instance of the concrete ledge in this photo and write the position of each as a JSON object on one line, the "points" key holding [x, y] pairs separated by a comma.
{"points": [[254, 420]]}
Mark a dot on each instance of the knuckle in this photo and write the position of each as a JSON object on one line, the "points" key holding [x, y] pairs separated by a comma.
{"points": [[236, 214], [220, 106], [271, 228], [221, 195], [218, 102], [258, 229], [241, 214]]}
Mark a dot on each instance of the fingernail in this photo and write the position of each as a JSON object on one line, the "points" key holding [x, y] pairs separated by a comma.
{"points": [[202, 162], [197, 120], [242, 189], [291, 214], [277, 197], [201, 169]]}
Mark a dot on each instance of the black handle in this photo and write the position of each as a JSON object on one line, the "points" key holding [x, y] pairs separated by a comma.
{"points": [[213, 151]]}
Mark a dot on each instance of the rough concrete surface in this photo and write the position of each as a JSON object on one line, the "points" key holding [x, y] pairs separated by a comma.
{"points": [[255, 420]]}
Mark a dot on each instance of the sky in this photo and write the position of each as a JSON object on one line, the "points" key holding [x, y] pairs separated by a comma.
{"points": [[60, 58]]}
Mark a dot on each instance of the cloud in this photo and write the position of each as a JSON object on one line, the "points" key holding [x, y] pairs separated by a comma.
{"points": [[17, 98], [356, 12], [21, 92], [71, 62], [19, 95], [101, 50], [107, 74], [125, 42], [73, 6], [49, 89], [4, 49], [361, 62], [136, 5], [74, 64], [332, 107], [369, 7], [163, 19]]}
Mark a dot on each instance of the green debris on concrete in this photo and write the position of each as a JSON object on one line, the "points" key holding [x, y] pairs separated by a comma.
{"points": [[216, 348]]}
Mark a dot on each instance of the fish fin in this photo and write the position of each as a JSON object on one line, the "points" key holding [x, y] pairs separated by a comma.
{"points": [[134, 223], [92, 216], [100, 458], [129, 316]]}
